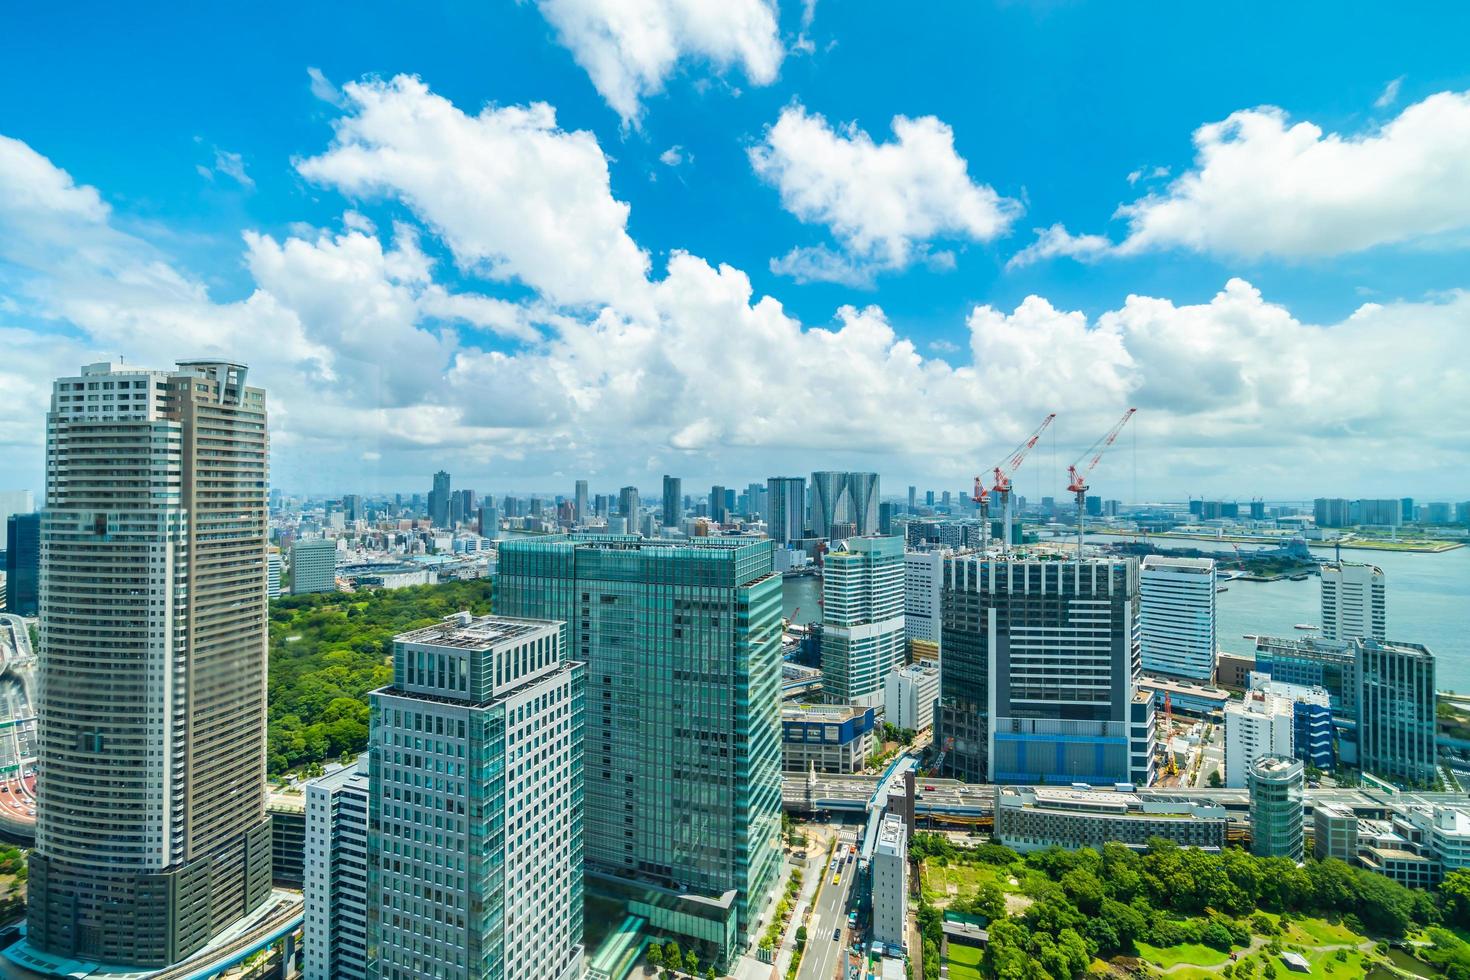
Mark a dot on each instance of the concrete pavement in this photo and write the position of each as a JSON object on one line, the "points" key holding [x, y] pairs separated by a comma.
{"points": [[824, 956]]}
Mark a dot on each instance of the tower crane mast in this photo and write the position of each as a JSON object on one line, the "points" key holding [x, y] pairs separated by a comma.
{"points": [[1002, 484], [1077, 479]]}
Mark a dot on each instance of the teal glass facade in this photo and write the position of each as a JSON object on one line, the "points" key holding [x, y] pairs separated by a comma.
{"points": [[683, 738]]}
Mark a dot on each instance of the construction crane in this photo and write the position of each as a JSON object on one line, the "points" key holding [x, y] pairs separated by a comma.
{"points": [[1002, 475], [1077, 479]]}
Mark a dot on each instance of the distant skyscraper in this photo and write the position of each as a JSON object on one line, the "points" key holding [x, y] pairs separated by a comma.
{"points": [[786, 521], [23, 564], [468, 505], [313, 566], [456, 509], [352, 506], [439, 500], [885, 517], [489, 521], [274, 570], [1039, 677], [673, 502], [579, 503], [1332, 512], [829, 501], [1354, 601], [336, 875], [683, 647], [628, 507], [480, 736], [717, 512], [862, 619], [913, 499], [755, 497], [1177, 616], [862, 497], [151, 830]]}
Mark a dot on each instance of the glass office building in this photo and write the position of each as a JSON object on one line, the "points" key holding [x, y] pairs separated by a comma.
{"points": [[683, 750]]}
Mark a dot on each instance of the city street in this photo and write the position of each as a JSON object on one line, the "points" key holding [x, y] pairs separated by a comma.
{"points": [[823, 954]]}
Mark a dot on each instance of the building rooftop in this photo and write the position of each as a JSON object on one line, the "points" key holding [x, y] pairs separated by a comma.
{"points": [[464, 631], [831, 713], [1198, 566]]}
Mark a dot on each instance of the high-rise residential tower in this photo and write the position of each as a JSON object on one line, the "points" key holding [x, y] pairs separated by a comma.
{"points": [[673, 502], [475, 832], [683, 750], [628, 505], [1039, 678], [863, 637], [1354, 601], [862, 500], [830, 502], [439, 503], [786, 501], [1177, 616], [336, 874], [151, 830], [923, 592]]}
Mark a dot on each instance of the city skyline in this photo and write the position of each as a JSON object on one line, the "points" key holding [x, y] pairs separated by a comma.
{"points": [[695, 252]]}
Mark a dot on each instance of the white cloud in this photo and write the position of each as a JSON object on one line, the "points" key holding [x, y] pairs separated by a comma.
{"points": [[1147, 173], [1390, 94], [629, 48], [1056, 240], [512, 195], [1262, 186], [674, 156], [323, 89], [884, 202], [231, 165], [370, 359]]}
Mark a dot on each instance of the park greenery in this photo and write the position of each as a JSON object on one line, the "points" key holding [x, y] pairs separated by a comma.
{"points": [[1056, 913], [328, 650]]}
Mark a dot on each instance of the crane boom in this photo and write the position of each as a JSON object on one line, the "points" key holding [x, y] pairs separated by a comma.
{"points": [[1077, 479], [1012, 462]]}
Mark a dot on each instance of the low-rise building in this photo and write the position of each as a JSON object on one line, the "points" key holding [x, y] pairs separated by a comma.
{"points": [[288, 839], [832, 738], [909, 695], [1199, 700], [1233, 669], [1031, 818]]}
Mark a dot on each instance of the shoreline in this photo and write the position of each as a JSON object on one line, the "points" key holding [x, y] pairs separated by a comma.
{"points": [[1421, 548]]}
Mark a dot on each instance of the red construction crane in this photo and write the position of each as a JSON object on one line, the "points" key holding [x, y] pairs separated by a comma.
{"points": [[1077, 479], [1002, 471]]}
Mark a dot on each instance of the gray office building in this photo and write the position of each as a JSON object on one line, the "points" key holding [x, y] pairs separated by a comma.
{"points": [[1396, 710], [1039, 678], [313, 566], [151, 829], [336, 874], [579, 503], [475, 825], [829, 501]]}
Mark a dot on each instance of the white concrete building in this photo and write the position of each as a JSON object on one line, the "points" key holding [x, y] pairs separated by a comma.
{"points": [[335, 879], [890, 880], [909, 695], [1177, 616], [1261, 725], [1354, 602], [923, 591], [273, 571], [476, 855]]}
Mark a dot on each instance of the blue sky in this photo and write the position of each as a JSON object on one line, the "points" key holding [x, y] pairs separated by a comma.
{"points": [[420, 280]]}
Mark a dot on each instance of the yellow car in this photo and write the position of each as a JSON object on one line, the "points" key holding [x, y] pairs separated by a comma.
{"points": [[837, 879]]}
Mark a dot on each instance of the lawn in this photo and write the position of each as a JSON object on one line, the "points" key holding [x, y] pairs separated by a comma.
{"points": [[1195, 954], [964, 962], [943, 885], [1320, 932]]}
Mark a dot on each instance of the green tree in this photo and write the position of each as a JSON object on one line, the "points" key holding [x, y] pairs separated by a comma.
{"points": [[673, 956], [990, 901], [1455, 892], [691, 963], [655, 956]]}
